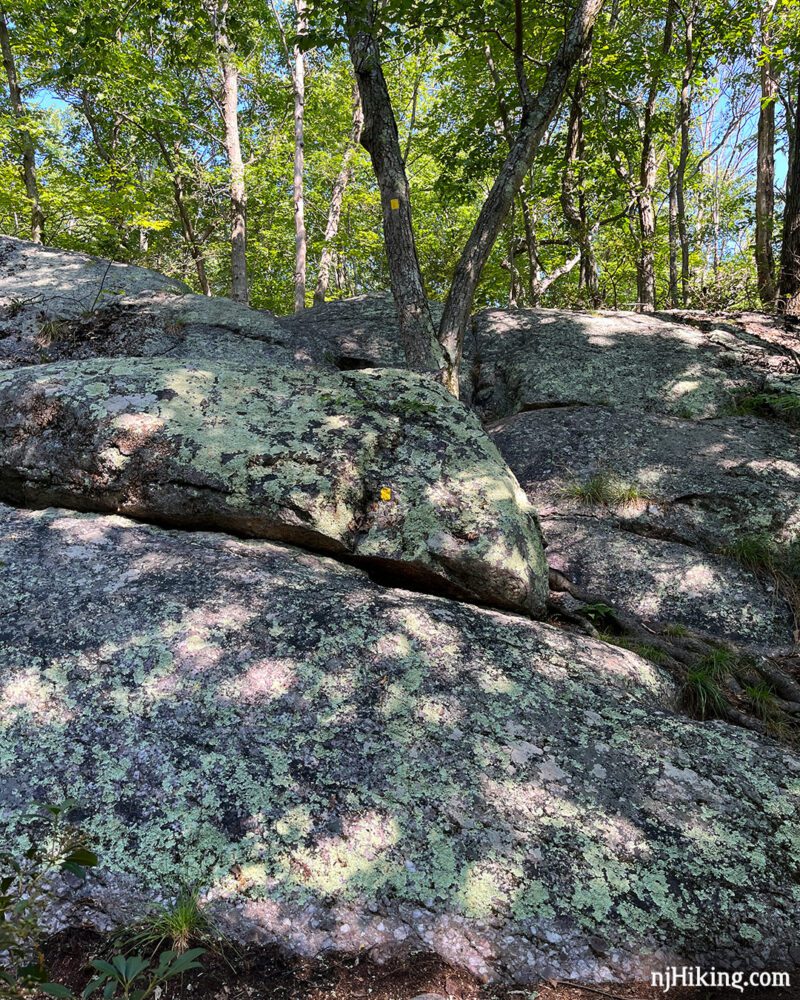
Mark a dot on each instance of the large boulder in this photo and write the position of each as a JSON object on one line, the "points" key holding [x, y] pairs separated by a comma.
{"points": [[379, 466], [534, 359], [349, 767], [57, 305], [704, 483]]}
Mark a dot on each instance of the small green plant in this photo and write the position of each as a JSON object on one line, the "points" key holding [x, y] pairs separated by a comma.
{"points": [[784, 406], [57, 846], [605, 489], [15, 307], [761, 699], [414, 407], [136, 978], [676, 629], [644, 649], [178, 926], [780, 561], [597, 612], [50, 331], [25, 892], [702, 692]]}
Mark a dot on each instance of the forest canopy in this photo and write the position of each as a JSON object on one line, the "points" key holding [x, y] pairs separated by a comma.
{"points": [[224, 143]]}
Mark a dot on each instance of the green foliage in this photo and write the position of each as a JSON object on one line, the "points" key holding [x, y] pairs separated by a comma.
{"points": [[761, 699], [136, 978], [179, 925], [605, 489], [57, 846], [122, 101], [782, 406], [676, 629], [701, 693], [646, 650], [779, 561]]}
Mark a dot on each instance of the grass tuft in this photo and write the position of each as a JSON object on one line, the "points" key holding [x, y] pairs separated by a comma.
{"points": [[780, 405], [604, 489], [177, 927]]}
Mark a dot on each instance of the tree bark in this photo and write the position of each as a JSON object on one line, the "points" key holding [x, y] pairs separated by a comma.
{"points": [[337, 198], [765, 171], [673, 240], [685, 117], [646, 209], [536, 115], [217, 11], [574, 205], [789, 288], [189, 232], [380, 138], [299, 89], [26, 139]]}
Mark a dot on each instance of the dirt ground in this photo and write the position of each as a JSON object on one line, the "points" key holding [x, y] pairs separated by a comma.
{"points": [[266, 974]]}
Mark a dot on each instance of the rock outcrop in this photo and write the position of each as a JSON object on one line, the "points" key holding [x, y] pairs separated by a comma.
{"points": [[344, 766], [697, 488], [254, 706], [381, 466]]}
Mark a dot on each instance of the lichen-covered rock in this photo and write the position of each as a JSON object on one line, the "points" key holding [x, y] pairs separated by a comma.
{"points": [[700, 482], [342, 766], [381, 466], [527, 359], [667, 583], [699, 488], [58, 305]]}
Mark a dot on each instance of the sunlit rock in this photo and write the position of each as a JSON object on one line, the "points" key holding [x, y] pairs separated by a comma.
{"points": [[341, 766], [380, 466]]}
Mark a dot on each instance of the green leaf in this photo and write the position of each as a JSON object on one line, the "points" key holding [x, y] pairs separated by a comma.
{"points": [[55, 990]]}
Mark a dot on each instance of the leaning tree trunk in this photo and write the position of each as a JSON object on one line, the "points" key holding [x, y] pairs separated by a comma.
{"points": [[189, 232], [537, 114], [765, 175], [28, 147], [380, 138], [299, 89], [673, 241], [789, 289], [337, 198]]}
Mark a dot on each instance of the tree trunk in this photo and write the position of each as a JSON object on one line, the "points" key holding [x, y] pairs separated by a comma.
{"points": [[189, 233], [536, 115], [380, 138], [789, 289], [575, 206], [685, 117], [299, 88], [673, 240], [765, 172], [646, 211], [337, 198], [28, 147], [217, 11]]}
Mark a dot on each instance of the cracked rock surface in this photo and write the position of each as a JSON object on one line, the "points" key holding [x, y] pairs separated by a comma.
{"points": [[383, 466], [342, 764], [345, 766]]}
